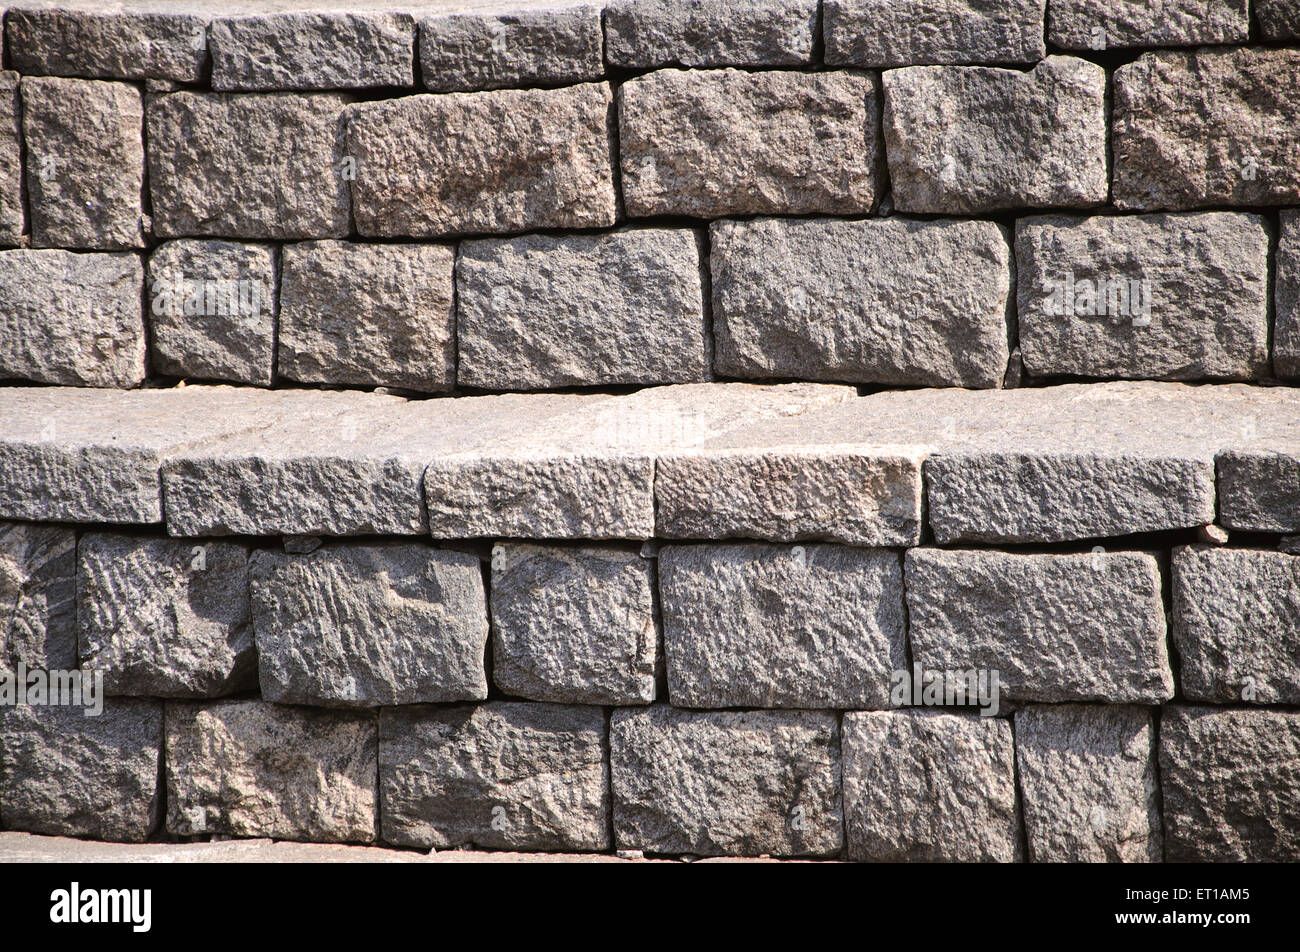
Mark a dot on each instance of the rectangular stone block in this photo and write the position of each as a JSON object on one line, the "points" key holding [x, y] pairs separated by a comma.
{"points": [[726, 783], [368, 315], [218, 165], [643, 34], [1259, 489], [574, 625], [1278, 19], [509, 160], [38, 597], [882, 301], [1088, 627], [1286, 296], [248, 768], [932, 32], [925, 786], [13, 218], [1175, 297], [814, 626], [1102, 25], [499, 776], [1088, 778], [728, 142], [1031, 139], [581, 310]]}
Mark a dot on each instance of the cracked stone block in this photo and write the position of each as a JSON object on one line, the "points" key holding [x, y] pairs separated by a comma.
{"points": [[1101, 25], [932, 32], [12, 214], [38, 592], [643, 34]]}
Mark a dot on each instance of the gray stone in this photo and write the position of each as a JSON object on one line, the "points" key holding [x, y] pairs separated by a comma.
{"points": [[508, 160], [883, 300], [1088, 781], [38, 591], [368, 315], [726, 783], [1103, 25], [12, 214], [70, 318], [1231, 785], [932, 32], [968, 139], [1278, 19], [165, 618], [648, 33], [813, 626], [248, 768], [926, 786], [1286, 297], [499, 775], [581, 310], [728, 142], [85, 162], [1175, 297], [1236, 624], [212, 307], [365, 625], [1206, 128], [1088, 627], [67, 773], [218, 165], [574, 625]]}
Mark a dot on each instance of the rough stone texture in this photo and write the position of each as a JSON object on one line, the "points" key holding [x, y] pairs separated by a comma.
{"points": [[554, 45], [365, 625], [1236, 624], [648, 33], [886, 301], [1286, 297], [979, 139], [731, 783], [574, 625], [85, 162], [929, 32], [12, 215], [1087, 627], [1088, 780], [581, 310], [1278, 19], [509, 160], [64, 773], [1106, 25], [71, 318], [812, 626], [926, 786], [1231, 785], [727, 142], [1206, 128], [499, 775], [165, 618], [218, 165], [38, 590], [368, 315], [1206, 296], [212, 308]]}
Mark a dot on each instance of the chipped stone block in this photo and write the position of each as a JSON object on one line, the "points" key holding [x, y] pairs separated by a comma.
{"points": [[12, 214], [644, 34], [1286, 297], [1099, 25], [931, 32], [38, 591]]}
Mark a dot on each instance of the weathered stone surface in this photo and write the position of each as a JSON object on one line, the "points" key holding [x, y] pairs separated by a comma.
{"points": [[932, 32], [726, 783], [85, 162], [1087, 627], [1286, 296], [1102, 25], [812, 627], [925, 786], [581, 310], [552, 44], [66, 773], [1236, 624], [248, 768], [648, 33], [1278, 19], [1231, 785], [71, 318], [574, 625], [1175, 297], [212, 308], [365, 625], [964, 139], [218, 165], [12, 215], [728, 142], [885, 300], [369, 315], [38, 590], [1088, 778], [509, 160], [1207, 127], [165, 618], [499, 775]]}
